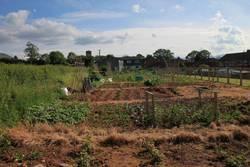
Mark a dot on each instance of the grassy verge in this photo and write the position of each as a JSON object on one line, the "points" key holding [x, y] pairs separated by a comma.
{"points": [[23, 86]]}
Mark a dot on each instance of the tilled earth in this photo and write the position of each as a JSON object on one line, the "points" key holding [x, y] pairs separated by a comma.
{"points": [[121, 94]]}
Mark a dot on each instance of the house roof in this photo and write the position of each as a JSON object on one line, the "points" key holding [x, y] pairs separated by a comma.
{"points": [[237, 56], [131, 58]]}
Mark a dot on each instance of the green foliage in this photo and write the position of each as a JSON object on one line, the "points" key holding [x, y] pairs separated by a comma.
{"points": [[236, 161], [179, 114], [32, 52], [5, 143], [152, 82], [19, 157], [54, 113], [110, 115], [23, 86], [34, 155], [153, 153], [56, 57], [139, 116], [85, 158], [139, 78]]}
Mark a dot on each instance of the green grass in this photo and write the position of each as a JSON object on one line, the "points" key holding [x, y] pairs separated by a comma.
{"points": [[23, 86], [233, 81], [157, 77]]}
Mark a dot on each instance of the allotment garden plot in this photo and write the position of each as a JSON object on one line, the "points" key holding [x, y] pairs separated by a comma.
{"points": [[119, 93]]}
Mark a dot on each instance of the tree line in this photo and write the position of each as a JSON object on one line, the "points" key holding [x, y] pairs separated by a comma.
{"points": [[160, 58]]}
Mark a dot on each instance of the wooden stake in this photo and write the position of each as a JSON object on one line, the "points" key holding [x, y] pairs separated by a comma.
{"points": [[216, 108], [241, 78], [146, 102]]}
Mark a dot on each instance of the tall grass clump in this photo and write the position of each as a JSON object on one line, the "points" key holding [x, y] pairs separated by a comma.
{"points": [[22, 86]]}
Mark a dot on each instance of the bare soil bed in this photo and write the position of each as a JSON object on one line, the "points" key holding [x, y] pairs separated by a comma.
{"points": [[136, 94]]}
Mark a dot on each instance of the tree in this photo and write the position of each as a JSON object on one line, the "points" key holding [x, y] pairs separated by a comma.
{"points": [[192, 56], [32, 52], [110, 56], [57, 57], [140, 56], [203, 56], [164, 55], [45, 58], [71, 57]]}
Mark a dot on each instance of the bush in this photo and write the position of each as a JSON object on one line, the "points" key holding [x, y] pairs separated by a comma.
{"points": [[85, 156], [139, 116], [94, 76], [55, 113], [152, 82]]}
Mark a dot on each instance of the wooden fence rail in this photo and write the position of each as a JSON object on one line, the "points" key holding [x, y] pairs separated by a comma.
{"points": [[215, 74]]}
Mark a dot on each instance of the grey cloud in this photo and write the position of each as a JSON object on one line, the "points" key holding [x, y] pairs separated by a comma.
{"points": [[88, 40]]}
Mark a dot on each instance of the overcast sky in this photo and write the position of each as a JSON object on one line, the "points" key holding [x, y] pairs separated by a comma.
{"points": [[125, 27]]}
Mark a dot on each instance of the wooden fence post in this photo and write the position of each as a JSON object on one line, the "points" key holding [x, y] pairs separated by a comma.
{"points": [[216, 108], [209, 71], [153, 110], [217, 75], [241, 77], [228, 76], [201, 74], [213, 74], [199, 96], [146, 102], [195, 74]]}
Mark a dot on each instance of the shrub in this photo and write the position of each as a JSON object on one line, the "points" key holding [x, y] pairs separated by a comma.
{"points": [[94, 77], [155, 154], [152, 82], [85, 158]]}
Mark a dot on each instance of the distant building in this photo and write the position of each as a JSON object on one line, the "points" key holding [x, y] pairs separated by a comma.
{"points": [[241, 59], [88, 53], [127, 63]]}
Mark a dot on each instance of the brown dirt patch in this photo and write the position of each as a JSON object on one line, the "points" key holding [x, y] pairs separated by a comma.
{"points": [[133, 93], [191, 145]]}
